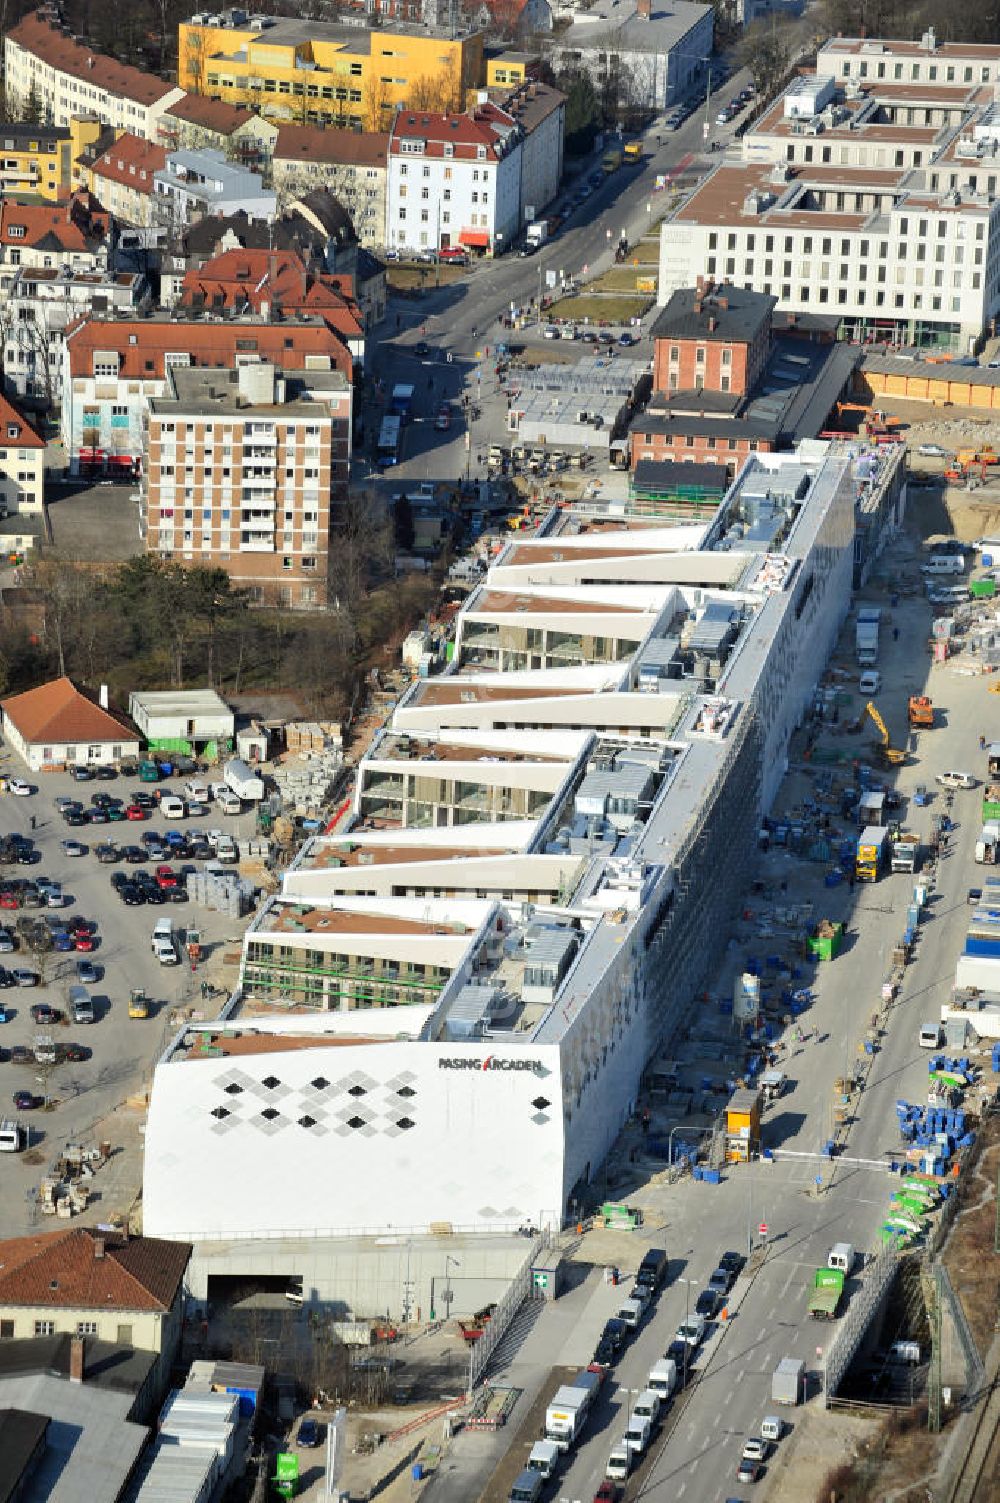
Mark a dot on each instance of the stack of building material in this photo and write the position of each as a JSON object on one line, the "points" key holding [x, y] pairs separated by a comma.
{"points": [[225, 891]]}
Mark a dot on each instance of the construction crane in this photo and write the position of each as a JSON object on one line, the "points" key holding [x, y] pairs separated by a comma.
{"points": [[888, 754]]}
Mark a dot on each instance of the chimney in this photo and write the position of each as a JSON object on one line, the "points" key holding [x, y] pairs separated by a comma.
{"points": [[98, 1249], [76, 1359], [644, 9], [697, 305], [713, 323], [102, 697]]}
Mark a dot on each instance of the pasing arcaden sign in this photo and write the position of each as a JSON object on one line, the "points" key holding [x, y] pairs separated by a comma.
{"points": [[493, 1062]]}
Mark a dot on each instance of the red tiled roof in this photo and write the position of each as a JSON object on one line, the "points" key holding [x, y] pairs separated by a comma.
{"points": [[212, 114], [72, 222], [482, 126], [310, 143], [45, 40], [25, 437], [132, 160], [208, 344], [66, 1270], [256, 277], [59, 714]]}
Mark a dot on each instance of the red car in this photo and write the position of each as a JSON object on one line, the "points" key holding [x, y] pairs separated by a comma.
{"points": [[134, 811], [9, 900], [84, 942], [455, 254], [78, 926], [608, 1492], [165, 877]]}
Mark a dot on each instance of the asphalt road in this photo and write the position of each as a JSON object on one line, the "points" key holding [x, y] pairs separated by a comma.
{"points": [[123, 1050]]}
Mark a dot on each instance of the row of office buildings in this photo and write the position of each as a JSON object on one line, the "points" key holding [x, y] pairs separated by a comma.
{"points": [[866, 194], [447, 1010]]}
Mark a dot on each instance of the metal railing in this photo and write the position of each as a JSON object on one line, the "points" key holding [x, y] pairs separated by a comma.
{"points": [[518, 1290], [860, 1313]]}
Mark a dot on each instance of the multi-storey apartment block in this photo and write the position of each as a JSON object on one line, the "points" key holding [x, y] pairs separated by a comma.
{"points": [[46, 66], [239, 470]]}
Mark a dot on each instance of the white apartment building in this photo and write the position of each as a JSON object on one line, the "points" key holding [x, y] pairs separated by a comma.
{"points": [[41, 303], [239, 470], [22, 465], [867, 192], [454, 180], [651, 54], [44, 63]]}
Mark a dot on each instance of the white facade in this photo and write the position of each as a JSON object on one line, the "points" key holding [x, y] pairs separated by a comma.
{"points": [[872, 205], [188, 715], [41, 302], [198, 182], [494, 1103], [656, 57], [90, 84], [433, 201]]}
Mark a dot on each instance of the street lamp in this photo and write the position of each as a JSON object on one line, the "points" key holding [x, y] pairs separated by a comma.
{"points": [[447, 1295]]}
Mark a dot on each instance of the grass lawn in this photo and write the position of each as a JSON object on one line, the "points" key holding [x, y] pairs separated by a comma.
{"points": [[407, 277], [613, 310], [622, 279]]}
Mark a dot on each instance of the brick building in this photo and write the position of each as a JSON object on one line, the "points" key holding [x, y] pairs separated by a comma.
{"points": [[712, 338], [241, 472]]}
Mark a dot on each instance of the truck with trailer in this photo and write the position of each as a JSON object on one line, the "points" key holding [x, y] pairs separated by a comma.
{"points": [[827, 1292], [870, 857], [569, 1407], [905, 853]]}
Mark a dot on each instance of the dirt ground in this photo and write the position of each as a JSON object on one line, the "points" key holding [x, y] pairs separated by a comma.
{"points": [[972, 1266]]}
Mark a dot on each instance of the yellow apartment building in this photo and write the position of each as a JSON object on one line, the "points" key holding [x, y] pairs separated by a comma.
{"points": [[327, 73], [504, 69], [36, 161]]}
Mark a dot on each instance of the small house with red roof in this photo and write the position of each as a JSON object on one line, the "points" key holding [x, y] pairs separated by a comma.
{"points": [[56, 725], [98, 1284]]}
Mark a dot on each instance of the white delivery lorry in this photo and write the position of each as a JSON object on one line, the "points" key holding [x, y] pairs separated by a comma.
{"points": [[663, 1378], [637, 1433], [842, 1256], [243, 780], [567, 1412], [788, 1381]]}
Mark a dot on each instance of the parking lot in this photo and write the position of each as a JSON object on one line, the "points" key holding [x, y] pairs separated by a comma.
{"points": [[112, 936]]}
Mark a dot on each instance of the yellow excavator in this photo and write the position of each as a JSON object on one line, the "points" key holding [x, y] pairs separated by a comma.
{"points": [[888, 754]]}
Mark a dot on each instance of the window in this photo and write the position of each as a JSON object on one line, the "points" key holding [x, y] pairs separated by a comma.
{"points": [[45, 1327], [86, 1328], [6, 1330], [727, 357]]}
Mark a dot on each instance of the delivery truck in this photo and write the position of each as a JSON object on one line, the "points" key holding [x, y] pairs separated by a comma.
{"points": [[827, 1292], [537, 232], [873, 844], [241, 778], [788, 1381], [866, 636], [567, 1412], [663, 1378], [905, 853], [612, 159]]}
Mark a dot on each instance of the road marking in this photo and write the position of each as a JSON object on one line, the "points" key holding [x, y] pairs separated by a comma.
{"points": [[716, 1420], [681, 1490]]}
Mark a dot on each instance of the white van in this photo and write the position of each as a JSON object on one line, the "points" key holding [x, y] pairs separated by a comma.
{"points": [[619, 1462], [870, 682], [944, 563], [842, 1256], [632, 1313], [772, 1428], [930, 1036], [228, 801], [81, 1005], [663, 1378], [637, 1433], [647, 1406], [172, 807], [11, 1136]]}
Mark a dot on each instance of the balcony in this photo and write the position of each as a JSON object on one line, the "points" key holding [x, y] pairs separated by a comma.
{"points": [[256, 542]]}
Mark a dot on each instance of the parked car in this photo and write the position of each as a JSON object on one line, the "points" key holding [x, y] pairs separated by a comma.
{"points": [[25, 1101], [309, 1433], [932, 451], [707, 1303], [87, 973], [19, 787], [956, 780], [749, 1471], [755, 1448]]}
